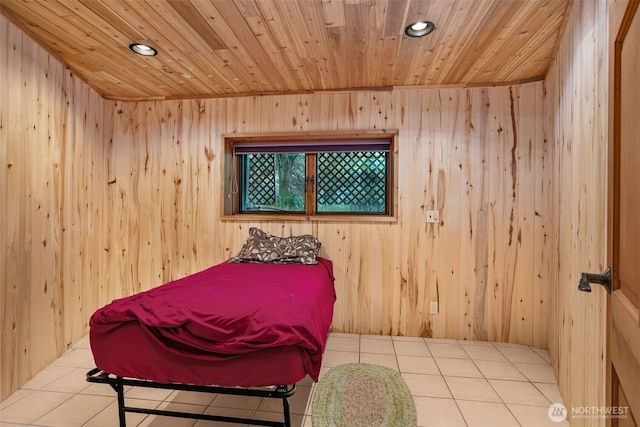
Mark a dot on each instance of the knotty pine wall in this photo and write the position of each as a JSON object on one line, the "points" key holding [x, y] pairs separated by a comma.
{"points": [[578, 97], [478, 156], [104, 199], [52, 174]]}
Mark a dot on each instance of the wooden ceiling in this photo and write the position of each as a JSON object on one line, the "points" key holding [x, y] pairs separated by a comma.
{"points": [[217, 48]]}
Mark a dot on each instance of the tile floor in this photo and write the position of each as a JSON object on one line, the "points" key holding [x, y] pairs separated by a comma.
{"points": [[454, 383]]}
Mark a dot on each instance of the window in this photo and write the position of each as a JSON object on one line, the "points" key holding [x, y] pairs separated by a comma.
{"points": [[310, 176]]}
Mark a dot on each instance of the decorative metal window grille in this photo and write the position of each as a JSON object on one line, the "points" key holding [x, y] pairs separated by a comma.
{"points": [[260, 179], [352, 182], [274, 182], [313, 176]]}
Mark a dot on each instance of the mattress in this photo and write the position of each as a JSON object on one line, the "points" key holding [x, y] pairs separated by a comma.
{"points": [[233, 324]]}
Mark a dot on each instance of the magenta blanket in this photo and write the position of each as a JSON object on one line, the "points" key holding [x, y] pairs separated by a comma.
{"points": [[232, 309]]}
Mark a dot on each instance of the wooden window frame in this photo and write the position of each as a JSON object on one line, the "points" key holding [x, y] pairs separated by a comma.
{"points": [[232, 167]]}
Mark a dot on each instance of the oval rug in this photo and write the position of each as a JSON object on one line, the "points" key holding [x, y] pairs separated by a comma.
{"points": [[362, 395]]}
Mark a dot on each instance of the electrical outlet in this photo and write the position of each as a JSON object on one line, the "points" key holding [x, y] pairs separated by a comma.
{"points": [[433, 307], [433, 216]]}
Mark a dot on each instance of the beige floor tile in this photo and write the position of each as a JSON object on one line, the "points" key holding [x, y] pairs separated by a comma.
{"points": [[542, 352], [191, 397], [157, 394], [453, 350], [46, 376], [477, 352], [236, 402], [33, 406], [19, 394], [375, 345], [297, 402], [457, 368], [308, 421], [465, 343], [297, 420], [550, 391], [440, 341], [98, 389], [486, 414], [72, 382], [417, 365], [434, 412], [309, 409], [472, 389], [109, 416], [343, 342], [164, 421], [334, 358], [499, 370], [521, 355], [537, 373], [411, 339], [519, 392], [480, 375], [426, 385], [388, 360], [534, 416], [76, 358], [74, 412], [83, 342], [376, 337], [411, 348], [225, 412], [306, 382], [500, 344]]}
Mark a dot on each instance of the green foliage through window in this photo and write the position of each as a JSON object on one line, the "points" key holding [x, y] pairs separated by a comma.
{"points": [[273, 182]]}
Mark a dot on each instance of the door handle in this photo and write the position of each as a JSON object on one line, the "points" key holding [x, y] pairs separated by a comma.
{"points": [[603, 279]]}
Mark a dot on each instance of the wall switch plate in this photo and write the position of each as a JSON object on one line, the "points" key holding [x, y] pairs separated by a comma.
{"points": [[433, 307], [433, 216]]}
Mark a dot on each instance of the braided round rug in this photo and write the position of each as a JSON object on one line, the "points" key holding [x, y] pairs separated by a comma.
{"points": [[362, 395]]}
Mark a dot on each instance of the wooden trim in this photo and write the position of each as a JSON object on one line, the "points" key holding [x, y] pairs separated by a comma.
{"points": [[311, 184], [616, 123], [231, 202], [310, 136], [618, 29], [311, 218]]}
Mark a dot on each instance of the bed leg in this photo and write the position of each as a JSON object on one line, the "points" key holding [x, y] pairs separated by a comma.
{"points": [[287, 417], [121, 413]]}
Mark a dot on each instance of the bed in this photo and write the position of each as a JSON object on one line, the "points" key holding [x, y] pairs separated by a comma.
{"points": [[252, 325]]}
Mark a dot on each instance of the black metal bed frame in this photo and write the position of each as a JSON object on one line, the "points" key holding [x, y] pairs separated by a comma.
{"points": [[96, 375]]}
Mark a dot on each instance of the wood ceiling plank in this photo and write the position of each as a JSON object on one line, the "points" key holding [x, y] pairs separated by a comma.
{"points": [[529, 40], [212, 48], [112, 57], [420, 60], [183, 64], [284, 39], [268, 44], [322, 45], [333, 11], [191, 16], [261, 65]]}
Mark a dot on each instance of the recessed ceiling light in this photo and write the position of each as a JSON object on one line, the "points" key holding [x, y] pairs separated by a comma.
{"points": [[420, 28], [143, 49]]}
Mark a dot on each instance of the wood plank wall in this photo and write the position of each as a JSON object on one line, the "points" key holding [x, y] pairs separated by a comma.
{"points": [[110, 198], [51, 159], [577, 96], [478, 156]]}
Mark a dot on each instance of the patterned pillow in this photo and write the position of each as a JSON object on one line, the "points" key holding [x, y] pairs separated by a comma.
{"points": [[263, 247]]}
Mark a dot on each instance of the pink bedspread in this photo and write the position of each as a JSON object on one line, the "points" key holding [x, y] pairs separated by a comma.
{"points": [[230, 310]]}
